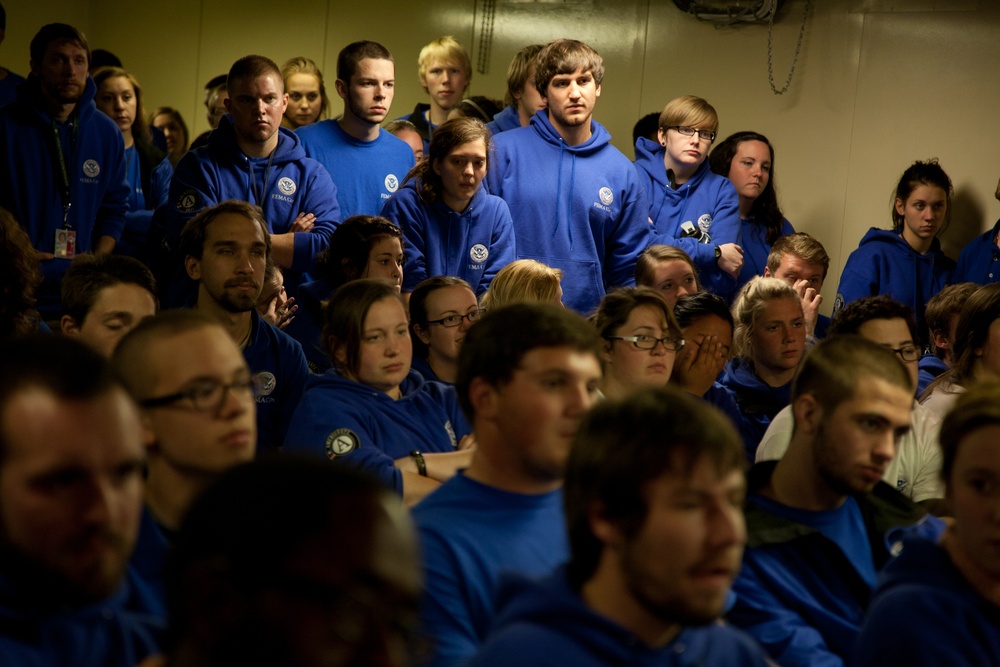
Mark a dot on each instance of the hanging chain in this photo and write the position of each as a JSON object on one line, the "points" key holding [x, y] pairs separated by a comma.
{"points": [[486, 36], [770, 51]]}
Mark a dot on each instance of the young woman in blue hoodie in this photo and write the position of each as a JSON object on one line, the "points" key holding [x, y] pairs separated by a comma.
{"points": [[691, 207], [371, 411], [747, 160], [451, 225], [905, 262], [769, 341]]}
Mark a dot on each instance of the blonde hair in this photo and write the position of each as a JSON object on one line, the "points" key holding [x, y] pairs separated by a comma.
{"points": [[691, 111], [749, 304], [444, 49], [303, 65], [656, 254], [523, 281]]}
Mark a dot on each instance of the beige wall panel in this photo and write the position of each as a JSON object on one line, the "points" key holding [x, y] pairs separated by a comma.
{"points": [[25, 17]]}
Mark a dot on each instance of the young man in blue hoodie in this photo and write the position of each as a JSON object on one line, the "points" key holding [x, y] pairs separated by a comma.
{"points": [[71, 195], [527, 374], [576, 201], [522, 98], [821, 523], [252, 158], [654, 487], [71, 461]]}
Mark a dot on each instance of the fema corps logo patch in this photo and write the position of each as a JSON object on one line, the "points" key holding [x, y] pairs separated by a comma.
{"points": [[91, 169], [705, 222], [341, 442], [187, 201], [391, 182], [265, 383], [287, 186], [607, 196], [479, 253], [838, 304]]}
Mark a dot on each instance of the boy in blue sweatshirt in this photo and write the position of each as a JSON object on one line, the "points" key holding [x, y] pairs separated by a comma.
{"points": [[576, 201], [653, 496]]}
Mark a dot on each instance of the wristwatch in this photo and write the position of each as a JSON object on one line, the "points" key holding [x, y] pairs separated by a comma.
{"points": [[718, 253]]}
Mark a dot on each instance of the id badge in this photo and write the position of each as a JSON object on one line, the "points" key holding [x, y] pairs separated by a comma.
{"points": [[65, 243]]}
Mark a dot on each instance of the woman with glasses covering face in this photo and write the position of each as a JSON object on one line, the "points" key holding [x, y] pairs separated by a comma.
{"points": [[371, 411], [640, 337], [691, 207], [747, 159], [441, 311], [975, 350], [938, 602], [905, 262]]}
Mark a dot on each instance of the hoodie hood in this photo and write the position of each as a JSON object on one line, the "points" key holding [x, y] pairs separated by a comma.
{"points": [[29, 94], [507, 119], [222, 141], [649, 160], [599, 137], [412, 384]]}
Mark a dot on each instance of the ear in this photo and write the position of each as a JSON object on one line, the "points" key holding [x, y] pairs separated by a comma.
{"points": [[661, 136], [808, 414], [436, 166], [228, 103], [767, 271], [341, 87], [284, 103], [422, 334], [940, 340], [483, 397], [69, 326], [148, 433], [345, 265], [193, 267], [604, 529], [597, 92], [606, 350], [339, 353], [900, 206]]}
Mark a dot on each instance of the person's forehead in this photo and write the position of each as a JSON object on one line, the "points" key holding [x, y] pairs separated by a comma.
{"points": [[42, 430], [559, 358], [886, 331], [371, 66], [233, 227], [575, 74], [174, 360], [790, 261], [65, 46], [266, 82]]}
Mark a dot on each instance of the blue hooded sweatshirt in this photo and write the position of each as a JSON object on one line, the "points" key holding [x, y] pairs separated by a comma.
{"points": [[120, 631], [293, 184], [366, 173], [577, 208], [547, 624], [885, 263], [758, 402], [706, 200], [31, 182], [346, 420], [756, 249], [472, 245], [978, 261], [507, 119], [925, 614]]}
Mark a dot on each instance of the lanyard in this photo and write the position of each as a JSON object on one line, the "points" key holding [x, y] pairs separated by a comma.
{"points": [[63, 172], [259, 198]]}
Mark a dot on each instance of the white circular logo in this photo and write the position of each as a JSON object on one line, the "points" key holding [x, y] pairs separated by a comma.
{"points": [[287, 186], [705, 222], [479, 253], [391, 183], [91, 169], [265, 383], [607, 196], [341, 442]]}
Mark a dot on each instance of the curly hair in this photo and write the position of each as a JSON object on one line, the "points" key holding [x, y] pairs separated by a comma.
{"points": [[20, 275]]}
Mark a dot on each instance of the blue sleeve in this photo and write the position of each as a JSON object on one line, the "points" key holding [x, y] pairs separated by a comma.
{"points": [[503, 247], [787, 637], [860, 278], [320, 199], [407, 210], [190, 191], [444, 608], [295, 374], [160, 183], [315, 420], [110, 219], [726, 217], [626, 240]]}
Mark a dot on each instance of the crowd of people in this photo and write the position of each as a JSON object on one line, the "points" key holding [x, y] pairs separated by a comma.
{"points": [[470, 386]]}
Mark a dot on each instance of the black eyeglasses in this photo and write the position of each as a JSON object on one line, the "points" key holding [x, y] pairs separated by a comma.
{"points": [[707, 135], [455, 320], [206, 396], [907, 352], [643, 342]]}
